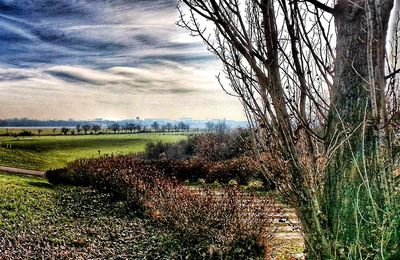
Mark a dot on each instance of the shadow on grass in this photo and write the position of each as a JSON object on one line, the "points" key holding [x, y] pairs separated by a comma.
{"points": [[78, 202], [41, 184]]}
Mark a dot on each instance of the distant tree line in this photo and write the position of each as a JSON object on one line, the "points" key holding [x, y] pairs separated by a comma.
{"points": [[129, 128], [71, 127], [21, 122], [201, 124]]}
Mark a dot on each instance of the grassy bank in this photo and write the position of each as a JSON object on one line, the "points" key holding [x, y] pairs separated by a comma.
{"points": [[42, 153], [39, 220]]}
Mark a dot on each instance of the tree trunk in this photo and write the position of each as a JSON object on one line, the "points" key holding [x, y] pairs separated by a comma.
{"points": [[356, 206]]}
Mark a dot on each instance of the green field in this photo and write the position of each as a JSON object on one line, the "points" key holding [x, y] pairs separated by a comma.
{"points": [[43, 153], [34, 131]]}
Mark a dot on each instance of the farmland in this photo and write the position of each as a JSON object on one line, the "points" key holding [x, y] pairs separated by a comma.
{"points": [[45, 152]]}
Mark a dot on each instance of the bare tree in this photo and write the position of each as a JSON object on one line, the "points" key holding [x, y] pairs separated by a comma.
{"points": [[321, 114], [138, 127], [130, 127], [169, 126], [86, 128], [115, 127], [78, 128], [96, 128], [64, 130], [156, 126], [210, 126]]}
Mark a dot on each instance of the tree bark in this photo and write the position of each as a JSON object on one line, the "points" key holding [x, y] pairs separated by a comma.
{"points": [[354, 203]]}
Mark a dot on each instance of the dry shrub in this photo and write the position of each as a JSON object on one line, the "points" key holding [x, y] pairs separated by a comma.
{"points": [[226, 221], [243, 169], [223, 146], [217, 146]]}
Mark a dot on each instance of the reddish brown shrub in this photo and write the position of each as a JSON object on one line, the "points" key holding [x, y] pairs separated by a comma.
{"points": [[223, 146], [222, 220]]}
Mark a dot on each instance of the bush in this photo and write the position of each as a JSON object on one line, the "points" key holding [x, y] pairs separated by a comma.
{"points": [[25, 133], [255, 185], [243, 169], [181, 150], [225, 222], [123, 176], [228, 222], [233, 183], [223, 146], [209, 147], [201, 181]]}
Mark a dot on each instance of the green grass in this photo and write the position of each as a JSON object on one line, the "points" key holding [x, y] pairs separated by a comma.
{"points": [[39, 220], [43, 153], [23, 199], [44, 131]]}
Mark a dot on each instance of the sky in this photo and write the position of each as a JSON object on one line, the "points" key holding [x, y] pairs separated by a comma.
{"points": [[118, 59]]}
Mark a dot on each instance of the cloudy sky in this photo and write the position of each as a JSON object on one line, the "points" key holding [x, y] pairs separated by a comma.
{"points": [[114, 59]]}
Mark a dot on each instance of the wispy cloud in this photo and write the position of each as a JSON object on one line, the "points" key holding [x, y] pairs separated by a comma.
{"points": [[127, 56]]}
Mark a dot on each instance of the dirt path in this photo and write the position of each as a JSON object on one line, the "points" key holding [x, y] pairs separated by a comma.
{"points": [[23, 171]]}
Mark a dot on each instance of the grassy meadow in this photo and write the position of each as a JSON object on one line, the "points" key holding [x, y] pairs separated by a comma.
{"points": [[45, 152], [35, 131]]}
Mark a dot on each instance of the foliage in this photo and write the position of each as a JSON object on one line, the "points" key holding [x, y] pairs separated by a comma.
{"points": [[243, 169], [223, 145], [255, 185], [236, 217], [183, 149], [64, 130], [233, 183], [215, 146], [229, 220], [25, 133]]}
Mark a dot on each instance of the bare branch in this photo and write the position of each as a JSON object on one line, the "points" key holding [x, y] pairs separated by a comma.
{"points": [[321, 6]]}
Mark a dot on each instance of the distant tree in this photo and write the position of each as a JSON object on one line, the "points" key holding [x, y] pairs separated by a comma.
{"points": [[96, 128], [130, 127], [72, 132], [25, 133], [210, 126], [78, 128], [155, 125], [182, 126], [86, 128], [64, 130], [114, 127], [221, 127], [187, 127], [169, 127], [138, 127], [54, 131], [39, 131]]}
